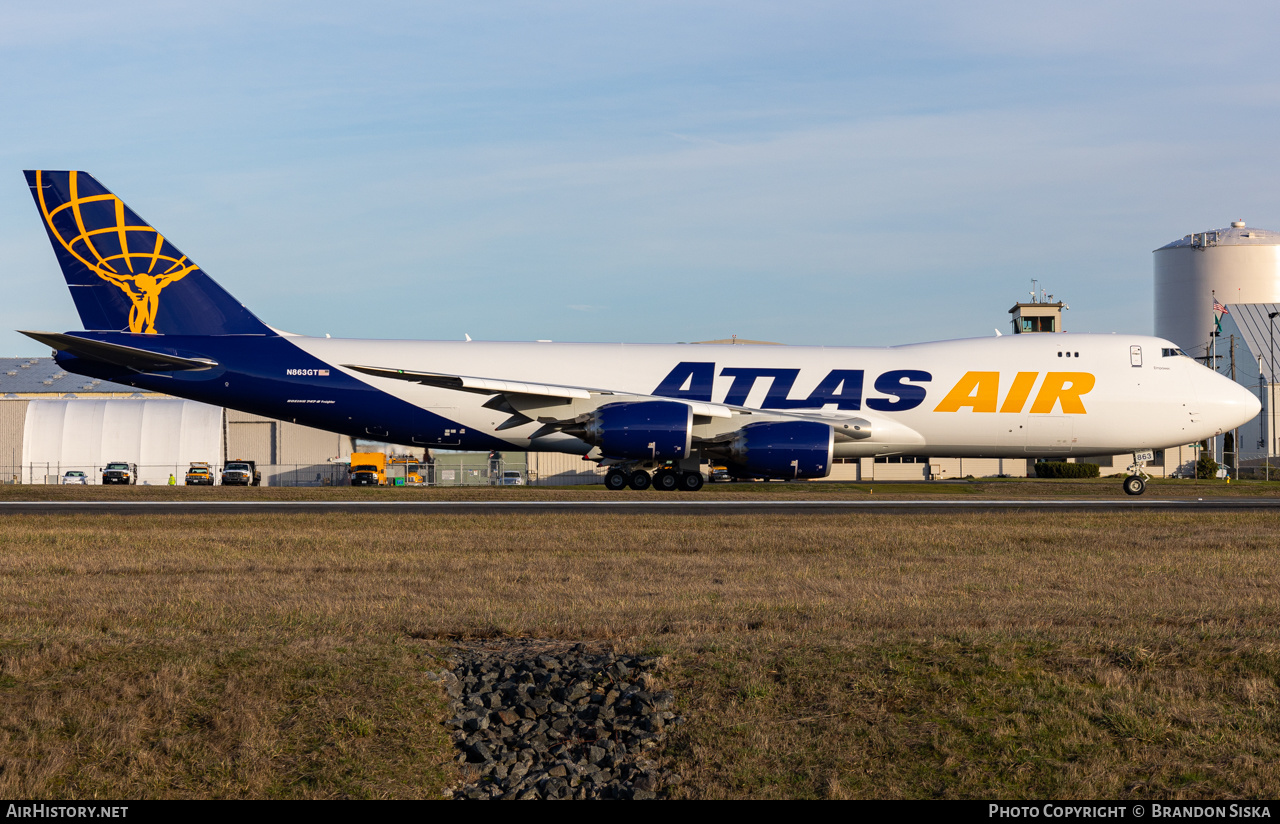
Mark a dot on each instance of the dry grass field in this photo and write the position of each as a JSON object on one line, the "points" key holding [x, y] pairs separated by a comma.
{"points": [[1061, 655]]}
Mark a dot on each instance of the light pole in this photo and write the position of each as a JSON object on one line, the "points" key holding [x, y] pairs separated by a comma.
{"points": [[1271, 394]]}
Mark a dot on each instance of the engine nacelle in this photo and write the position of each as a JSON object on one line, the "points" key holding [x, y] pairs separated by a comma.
{"points": [[784, 449], [660, 430]]}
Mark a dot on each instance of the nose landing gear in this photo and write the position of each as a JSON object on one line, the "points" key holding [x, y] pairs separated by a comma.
{"points": [[1136, 483]]}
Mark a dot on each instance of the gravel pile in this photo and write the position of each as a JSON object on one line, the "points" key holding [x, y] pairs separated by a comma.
{"points": [[535, 721]]}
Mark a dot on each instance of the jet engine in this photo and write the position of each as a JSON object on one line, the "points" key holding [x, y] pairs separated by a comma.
{"points": [[657, 430], [783, 449]]}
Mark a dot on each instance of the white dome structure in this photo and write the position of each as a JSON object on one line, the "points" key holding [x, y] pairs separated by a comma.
{"points": [[161, 435], [1235, 265]]}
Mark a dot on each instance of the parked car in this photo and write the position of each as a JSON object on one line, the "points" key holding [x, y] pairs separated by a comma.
{"points": [[74, 476], [511, 477]]}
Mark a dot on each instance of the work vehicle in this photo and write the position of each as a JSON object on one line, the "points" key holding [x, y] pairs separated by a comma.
{"points": [[241, 473], [404, 470], [368, 469], [157, 322], [199, 474], [120, 472], [75, 476]]}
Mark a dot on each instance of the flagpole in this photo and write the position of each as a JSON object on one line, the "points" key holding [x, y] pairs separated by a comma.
{"points": [[1217, 324]]}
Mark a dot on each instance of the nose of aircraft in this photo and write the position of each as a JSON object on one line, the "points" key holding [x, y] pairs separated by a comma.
{"points": [[1225, 404]]}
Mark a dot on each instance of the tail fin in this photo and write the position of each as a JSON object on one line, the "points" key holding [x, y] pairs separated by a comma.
{"points": [[123, 274]]}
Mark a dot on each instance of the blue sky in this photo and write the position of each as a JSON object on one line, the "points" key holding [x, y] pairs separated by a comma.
{"points": [[798, 172]]}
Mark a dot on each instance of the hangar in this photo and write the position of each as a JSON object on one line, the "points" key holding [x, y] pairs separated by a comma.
{"points": [[52, 421]]}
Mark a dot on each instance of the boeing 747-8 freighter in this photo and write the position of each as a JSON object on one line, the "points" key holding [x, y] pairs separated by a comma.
{"points": [[654, 413]]}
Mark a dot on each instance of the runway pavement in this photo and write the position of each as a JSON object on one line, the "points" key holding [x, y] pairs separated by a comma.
{"points": [[668, 507]]}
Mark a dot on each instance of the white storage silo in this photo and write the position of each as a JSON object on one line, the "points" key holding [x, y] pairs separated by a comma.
{"points": [[1236, 264]]}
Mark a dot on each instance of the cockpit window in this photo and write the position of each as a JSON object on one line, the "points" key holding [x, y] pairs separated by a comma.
{"points": [[1173, 353]]}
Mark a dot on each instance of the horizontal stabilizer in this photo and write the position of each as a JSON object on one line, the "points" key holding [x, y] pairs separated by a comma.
{"points": [[118, 355]]}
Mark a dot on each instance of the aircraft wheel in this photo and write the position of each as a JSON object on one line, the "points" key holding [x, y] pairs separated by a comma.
{"points": [[691, 482], [665, 480], [1134, 485], [640, 479], [615, 480]]}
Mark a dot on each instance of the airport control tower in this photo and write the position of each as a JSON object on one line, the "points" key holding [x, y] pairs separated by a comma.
{"points": [[1042, 314]]}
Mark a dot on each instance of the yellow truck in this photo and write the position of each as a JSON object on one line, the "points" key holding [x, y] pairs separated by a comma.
{"points": [[199, 474], [368, 469], [404, 470]]}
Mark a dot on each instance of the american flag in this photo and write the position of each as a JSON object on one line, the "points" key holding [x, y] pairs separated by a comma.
{"points": [[1219, 308]]}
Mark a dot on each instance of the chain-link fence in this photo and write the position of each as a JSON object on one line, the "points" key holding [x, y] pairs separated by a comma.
{"points": [[447, 470], [171, 474], [474, 469]]}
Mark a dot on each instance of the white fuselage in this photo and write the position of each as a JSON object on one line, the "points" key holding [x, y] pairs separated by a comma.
{"points": [[1018, 395]]}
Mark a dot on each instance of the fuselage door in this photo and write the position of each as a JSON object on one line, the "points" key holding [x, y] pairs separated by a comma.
{"points": [[1135, 355]]}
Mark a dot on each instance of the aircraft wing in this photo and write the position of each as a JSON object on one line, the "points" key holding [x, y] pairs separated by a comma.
{"points": [[466, 383], [565, 408]]}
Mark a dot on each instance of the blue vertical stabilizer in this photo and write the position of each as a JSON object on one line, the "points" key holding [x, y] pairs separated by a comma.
{"points": [[123, 274]]}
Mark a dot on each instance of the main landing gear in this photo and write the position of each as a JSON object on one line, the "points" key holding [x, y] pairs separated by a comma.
{"points": [[665, 480], [619, 479]]}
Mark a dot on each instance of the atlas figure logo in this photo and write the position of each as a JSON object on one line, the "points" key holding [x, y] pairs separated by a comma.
{"points": [[101, 233], [977, 391]]}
